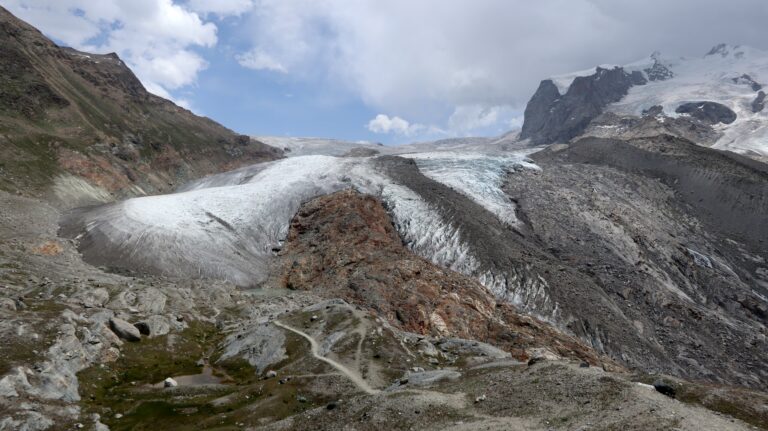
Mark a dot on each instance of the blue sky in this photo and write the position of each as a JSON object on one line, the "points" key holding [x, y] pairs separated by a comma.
{"points": [[264, 102], [393, 72]]}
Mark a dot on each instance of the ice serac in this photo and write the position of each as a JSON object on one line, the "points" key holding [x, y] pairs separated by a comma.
{"points": [[551, 117], [478, 176]]}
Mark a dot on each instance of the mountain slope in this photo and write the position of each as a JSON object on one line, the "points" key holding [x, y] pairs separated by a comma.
{"points": [[722, 90], [81, 127], [673, 234]]}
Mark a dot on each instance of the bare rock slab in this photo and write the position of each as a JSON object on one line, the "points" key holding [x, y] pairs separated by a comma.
{"points": [[124, 330]]}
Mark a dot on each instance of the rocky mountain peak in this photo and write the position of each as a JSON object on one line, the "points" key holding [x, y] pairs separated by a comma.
{"points": [[552, 117], [725, 50], [658, 71]]}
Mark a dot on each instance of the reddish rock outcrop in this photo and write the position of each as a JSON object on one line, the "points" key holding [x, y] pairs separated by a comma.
{"points": [[344, 245]]}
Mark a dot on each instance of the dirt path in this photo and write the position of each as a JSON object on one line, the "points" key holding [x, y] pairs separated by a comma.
{"points": [[354, 377]]}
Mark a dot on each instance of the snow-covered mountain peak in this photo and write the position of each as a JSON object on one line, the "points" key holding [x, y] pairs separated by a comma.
{"points": [[723, 89], [731, 76]]}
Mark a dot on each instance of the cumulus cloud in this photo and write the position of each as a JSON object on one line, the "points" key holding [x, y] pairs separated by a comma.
{"points": [[156, 38], [468, 118], [385, 124], [258, 60]]}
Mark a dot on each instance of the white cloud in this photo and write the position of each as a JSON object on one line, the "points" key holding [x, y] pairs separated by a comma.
{"points": [[221, 7], [468, 118], [385, 124], [258, 60], [156, 38], [423, 59]]}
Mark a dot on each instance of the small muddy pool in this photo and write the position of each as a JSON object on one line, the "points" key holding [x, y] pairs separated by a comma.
{"points": [[206, 377]]}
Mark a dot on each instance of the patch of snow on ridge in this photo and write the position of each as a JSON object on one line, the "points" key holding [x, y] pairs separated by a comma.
{"points": [[478, 176], [563, 82]]}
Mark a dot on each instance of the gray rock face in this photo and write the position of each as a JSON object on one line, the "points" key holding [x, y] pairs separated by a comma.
{"points": [[674, 234], [95, 298], [462, 347], [709, 112], [551, 117], [653, 111], [537, 112], [653, 122], [658, 72], [124, 330], [427, 378], [261, 345], [759, 103], [747, 80]]}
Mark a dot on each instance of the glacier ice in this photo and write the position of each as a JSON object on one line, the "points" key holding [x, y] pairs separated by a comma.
{"points": [[227, 226], [478, 176]]}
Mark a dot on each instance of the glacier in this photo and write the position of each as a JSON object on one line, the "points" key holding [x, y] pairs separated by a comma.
{"points": [[229, 226]]}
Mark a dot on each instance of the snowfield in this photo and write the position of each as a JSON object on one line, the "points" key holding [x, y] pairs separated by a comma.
{"points": [[715, 77], [228, 226]]}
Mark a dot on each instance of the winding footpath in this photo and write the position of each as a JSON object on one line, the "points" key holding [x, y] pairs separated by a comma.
{"points": [[354, 377]]}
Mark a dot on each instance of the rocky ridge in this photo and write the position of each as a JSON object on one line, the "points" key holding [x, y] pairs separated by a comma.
{"points": [[80, 128]]}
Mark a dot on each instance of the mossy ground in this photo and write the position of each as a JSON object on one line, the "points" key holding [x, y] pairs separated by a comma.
{"points": [[123, 387], [26, 350]]}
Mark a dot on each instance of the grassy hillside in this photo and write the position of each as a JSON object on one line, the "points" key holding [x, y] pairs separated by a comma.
{"points": [[74, 125]]}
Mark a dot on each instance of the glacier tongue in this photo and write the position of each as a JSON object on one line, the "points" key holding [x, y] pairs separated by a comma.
{"points": [[226, 226]]}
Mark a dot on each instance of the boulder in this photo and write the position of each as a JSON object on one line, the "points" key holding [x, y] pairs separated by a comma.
{"points": [[124, 330], [150, 300], [95, 298], [7, 304], [664, 387], [158, 325], [426, 378], [143, 328]]}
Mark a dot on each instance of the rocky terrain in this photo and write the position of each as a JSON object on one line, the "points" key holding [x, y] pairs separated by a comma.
{"points": [[615, 277], [276, 358]]}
